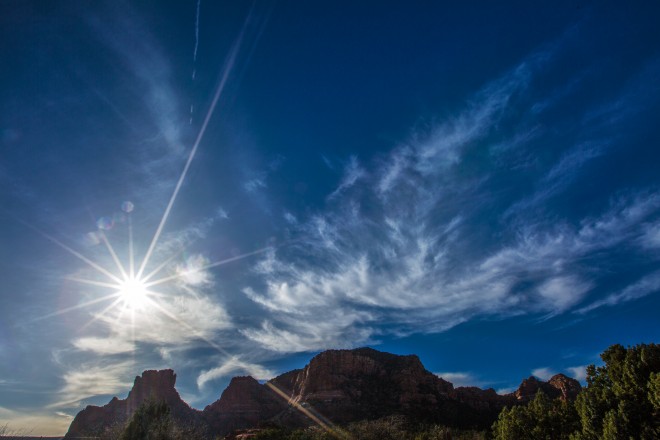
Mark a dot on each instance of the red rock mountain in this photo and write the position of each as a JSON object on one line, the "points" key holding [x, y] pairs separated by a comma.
{"points": [[157, 385], [337, 386]]}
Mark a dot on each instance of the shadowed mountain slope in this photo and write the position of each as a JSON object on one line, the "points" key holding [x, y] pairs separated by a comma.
{"points": [[336, 387]]}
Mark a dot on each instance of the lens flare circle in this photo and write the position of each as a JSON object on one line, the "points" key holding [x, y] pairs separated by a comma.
{"points": [[134, 294]]}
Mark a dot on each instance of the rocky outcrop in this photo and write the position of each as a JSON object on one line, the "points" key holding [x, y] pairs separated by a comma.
{"points": [[245, 403], [337, 386], [567, 386], [156, 385], [559, 386], [347, 385]]}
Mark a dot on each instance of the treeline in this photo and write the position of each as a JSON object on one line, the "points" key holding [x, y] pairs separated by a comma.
{"points": [[621, 401]]}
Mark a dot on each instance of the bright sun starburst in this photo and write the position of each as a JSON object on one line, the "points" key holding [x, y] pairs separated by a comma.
{"points": [[134, 294]]}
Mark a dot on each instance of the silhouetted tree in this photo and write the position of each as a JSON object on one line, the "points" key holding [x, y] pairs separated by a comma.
{"points": [[151, 421]]}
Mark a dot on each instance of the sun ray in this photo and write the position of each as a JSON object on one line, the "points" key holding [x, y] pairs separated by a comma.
{"points": [[190, 291], [223, 80], [73, 252], [309, 412], [184, 324], [314, 415], [76, 307], [131, 254], [208, 266], [113, 254], [101, 313], [92, 282], [162, 266]]}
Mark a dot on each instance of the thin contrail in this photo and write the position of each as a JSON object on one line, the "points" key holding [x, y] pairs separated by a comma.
{"points": [[223, 81], [199, 2], [194, 71]]}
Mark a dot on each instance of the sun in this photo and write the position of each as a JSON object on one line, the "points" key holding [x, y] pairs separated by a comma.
{"points": [[134, 293]]}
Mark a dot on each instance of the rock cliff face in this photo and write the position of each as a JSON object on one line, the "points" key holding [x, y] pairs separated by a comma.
{"points": [[347, 385], [559, 386], [157, 385], [567, 386], [337, 386], [243, 404]]}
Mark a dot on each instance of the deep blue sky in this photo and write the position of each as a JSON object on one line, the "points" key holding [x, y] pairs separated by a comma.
{"points": [[476, 183]]}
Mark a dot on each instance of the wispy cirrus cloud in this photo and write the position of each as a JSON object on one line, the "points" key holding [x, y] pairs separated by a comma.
{"points": [[647, 285], [234, 365], [27, 423], [352, 173], [407, 249], [92, 380]]}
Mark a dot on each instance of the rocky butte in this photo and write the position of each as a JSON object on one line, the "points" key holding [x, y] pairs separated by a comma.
{"points": [[337, 386]]}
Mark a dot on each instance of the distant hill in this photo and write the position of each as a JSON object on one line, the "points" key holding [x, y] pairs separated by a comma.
{"points": [[336, 387]]}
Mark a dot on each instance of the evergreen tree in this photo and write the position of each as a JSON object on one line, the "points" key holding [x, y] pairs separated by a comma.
{"points": [[542, 418], [151, 421], [622, 397]]}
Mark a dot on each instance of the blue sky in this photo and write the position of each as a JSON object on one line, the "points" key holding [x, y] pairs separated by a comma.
{"points": [[476, 184]]}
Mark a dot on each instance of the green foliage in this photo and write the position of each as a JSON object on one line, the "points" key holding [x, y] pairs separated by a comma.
{"points": [[621, 399], [151, 421], [542, 418]]}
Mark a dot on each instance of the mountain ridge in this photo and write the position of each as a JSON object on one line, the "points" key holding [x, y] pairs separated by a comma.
{"points": [[336, 386]]}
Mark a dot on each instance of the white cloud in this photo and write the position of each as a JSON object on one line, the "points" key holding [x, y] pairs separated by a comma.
{"points": [[544, 373], [647, 285], [173, 242], [104, 345], [90, 380], [221, 214], [172, 320], [352, 173], [139, 51], [254, 184], [506, 390], [234, 366], [562, 292], [560, 176], [30, 423], [399, 252], [651, 236], [406, 283], [193, 271], [458, 378], [578, 373]]}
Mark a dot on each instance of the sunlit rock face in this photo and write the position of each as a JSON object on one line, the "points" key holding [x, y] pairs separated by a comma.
{"points": [[559, 386], [568, 387], [336, 387], [157, 385]]}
